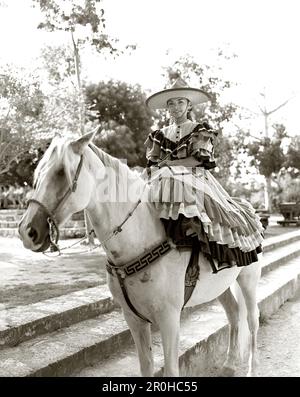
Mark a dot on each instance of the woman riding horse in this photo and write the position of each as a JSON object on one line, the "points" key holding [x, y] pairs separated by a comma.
{"points": [[145, 275], [228, 231]]}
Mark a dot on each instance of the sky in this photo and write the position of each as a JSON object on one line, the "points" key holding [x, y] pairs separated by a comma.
{"points": [[263, 33]]}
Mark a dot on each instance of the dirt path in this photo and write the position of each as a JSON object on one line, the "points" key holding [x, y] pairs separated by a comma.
{"points": [[279, 341], [278, 344]]}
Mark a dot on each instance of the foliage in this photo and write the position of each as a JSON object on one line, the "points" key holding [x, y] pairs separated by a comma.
{"points": [[225, 157], [209, 79], [119, 108], [22, 103], [58, 63], [267, 153], [61, 115], [85, 18], [293, 155], [69, 15], [22, 170], [85, 22]]}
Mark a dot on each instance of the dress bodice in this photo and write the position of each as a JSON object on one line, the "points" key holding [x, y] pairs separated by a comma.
{"points": [[182, 141]]}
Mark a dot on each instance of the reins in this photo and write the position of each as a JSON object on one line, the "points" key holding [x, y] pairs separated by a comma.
{"points": [[51, 219], [136, 266], [119, 229]]}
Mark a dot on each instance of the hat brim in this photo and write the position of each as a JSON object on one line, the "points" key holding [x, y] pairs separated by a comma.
{"points": [[159, 99]]}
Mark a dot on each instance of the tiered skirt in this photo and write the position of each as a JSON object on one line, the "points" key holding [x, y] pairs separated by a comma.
{"points": [[195, 204]]}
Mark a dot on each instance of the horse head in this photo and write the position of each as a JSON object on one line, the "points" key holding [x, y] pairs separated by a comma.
{"points": [[62, 186]]}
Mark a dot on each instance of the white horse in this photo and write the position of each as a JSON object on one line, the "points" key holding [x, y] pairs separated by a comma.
{"points": [[70, 178]]}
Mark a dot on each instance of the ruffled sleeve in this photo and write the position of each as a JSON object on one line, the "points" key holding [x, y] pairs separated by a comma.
{"points": [[153, 144], [201, 145]]}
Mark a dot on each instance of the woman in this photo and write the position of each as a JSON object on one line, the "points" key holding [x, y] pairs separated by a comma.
{"points": [[192, 204]]}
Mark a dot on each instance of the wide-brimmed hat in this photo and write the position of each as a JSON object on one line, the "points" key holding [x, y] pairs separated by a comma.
{"points": [[179, 89]]}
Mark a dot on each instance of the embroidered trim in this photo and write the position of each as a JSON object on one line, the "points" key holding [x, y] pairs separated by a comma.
{"points": [[141, 262]]}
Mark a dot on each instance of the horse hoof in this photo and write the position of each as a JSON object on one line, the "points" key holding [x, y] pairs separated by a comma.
{"points": [[227, 372]]}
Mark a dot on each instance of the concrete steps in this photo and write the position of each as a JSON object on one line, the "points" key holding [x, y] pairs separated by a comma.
{"points": [[9, 220], [203, 335], [66, 335], [25, 322], [69, 224], [65, 233]]}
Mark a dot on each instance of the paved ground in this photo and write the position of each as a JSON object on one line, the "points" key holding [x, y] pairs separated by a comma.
{"points": [[27, 277]]}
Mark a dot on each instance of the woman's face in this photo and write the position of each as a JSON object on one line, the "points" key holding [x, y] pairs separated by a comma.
{"points": [[178, 107]]}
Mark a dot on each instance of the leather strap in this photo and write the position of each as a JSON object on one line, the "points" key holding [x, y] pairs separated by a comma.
{"points": [[128, 301], [135, 266]]}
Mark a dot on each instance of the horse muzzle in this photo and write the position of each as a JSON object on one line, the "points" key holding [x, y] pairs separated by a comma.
{"points": [[35, 233]]}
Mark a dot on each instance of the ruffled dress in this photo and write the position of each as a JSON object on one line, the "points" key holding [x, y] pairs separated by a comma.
{"points": [[193, 205]]}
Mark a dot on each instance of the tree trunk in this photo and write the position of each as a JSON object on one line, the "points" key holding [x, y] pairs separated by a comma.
{"points": [[80, 93], [88, 226], [268, 193]]}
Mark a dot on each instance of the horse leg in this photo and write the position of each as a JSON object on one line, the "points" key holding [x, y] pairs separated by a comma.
{"points": [[248, 280], [231, 309], [169, 325], [141, 333]]}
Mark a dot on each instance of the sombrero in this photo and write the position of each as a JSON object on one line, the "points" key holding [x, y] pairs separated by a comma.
{"points": [[179, 89]]}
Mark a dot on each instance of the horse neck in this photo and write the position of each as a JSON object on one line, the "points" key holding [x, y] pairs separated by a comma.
{"points": [[141, 231]]}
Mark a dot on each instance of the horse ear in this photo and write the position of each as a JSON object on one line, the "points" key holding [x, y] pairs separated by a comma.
{"points": [[81, 143]]}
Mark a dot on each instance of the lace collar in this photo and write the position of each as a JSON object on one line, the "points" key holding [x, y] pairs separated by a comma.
{"points": [[176, 132]]}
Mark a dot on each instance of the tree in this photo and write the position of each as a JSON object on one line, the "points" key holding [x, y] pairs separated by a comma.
{"points": [[266, 112], [125, 120], [61, 114], [22, 102], [73, 16], [288, 178], [85, 23], [268, 156]]}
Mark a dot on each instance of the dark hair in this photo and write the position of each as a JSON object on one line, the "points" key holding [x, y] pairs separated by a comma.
{"points": [[190, 114]]}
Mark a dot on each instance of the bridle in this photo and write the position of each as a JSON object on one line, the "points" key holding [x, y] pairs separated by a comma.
{"points": [[51, 219], [160, 250]]}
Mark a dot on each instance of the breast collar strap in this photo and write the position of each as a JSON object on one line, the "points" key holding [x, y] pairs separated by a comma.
{"points": [[135, 266]]}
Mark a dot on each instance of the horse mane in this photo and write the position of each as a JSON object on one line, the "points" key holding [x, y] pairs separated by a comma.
{"points": [[112, 162], [57, 152]]}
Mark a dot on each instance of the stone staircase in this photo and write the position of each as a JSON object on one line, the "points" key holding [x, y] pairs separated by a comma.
{"points": [[84, 333], [9, 220]]}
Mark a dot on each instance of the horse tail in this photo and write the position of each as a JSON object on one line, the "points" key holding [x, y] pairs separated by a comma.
{"points": [[243, 329]]}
